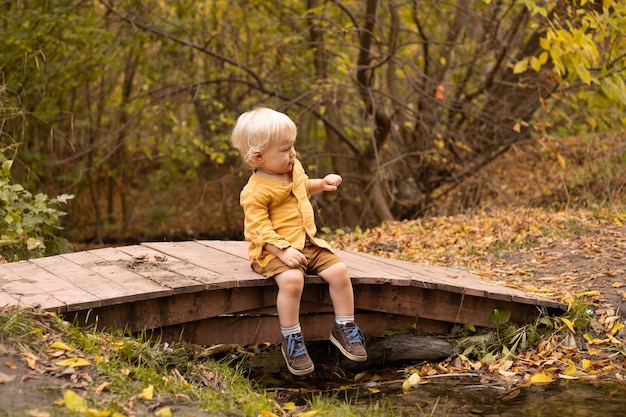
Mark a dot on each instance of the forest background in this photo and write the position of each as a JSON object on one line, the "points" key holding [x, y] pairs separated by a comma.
{"points": [[124, 109]]}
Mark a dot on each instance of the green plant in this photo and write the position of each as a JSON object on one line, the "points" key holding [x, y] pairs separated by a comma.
{"points": [[505, 340], [30, 223]]}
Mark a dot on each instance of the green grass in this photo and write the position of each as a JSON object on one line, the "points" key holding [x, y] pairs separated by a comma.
{"points": [[122, 367]]}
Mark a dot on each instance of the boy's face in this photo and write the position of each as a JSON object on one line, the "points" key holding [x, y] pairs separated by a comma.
{"points": [[278, 157]]}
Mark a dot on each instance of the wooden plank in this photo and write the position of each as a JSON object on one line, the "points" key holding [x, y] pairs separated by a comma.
{"points": [[7, 299], [240, 249], [68, 269], [234, 270], [449, 279], [420, 275], [187, 277], [154, 266], [143, 251], [359, 269], [233, 247], [111, 264], [40, 288]]}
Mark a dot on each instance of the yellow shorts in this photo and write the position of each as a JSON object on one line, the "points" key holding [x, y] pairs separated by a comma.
{"points": [[319, 260]]}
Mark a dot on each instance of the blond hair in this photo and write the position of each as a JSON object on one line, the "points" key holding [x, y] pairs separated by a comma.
{"points": [[258, 128]]}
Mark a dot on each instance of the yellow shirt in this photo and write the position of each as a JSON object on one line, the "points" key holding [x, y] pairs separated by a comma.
{"points": [[278, 213]]}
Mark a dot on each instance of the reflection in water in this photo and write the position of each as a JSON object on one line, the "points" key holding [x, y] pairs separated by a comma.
{"points": [[560, 399], [456, 397]]}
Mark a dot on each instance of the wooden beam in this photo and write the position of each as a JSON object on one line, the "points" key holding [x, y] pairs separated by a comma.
{"points": [[177, 309], [250, 329]]}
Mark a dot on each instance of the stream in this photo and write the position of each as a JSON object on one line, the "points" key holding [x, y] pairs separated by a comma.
{"points": [[460, 395]]}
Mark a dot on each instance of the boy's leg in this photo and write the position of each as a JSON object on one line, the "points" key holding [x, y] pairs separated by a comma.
{"points": [[346, 335], [290, 286], [340, 288]]}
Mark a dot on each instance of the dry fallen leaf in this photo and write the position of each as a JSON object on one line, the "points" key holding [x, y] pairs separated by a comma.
{"points": [[6, 378], [148, 393], [73, 362], [540, 378], [73, 401], [62, 346], [31, 360], [164, 412], [411, 381], [101, 387]]}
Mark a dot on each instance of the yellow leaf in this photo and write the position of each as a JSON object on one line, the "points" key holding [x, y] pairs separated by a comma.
{"points": [[520, 66], [617, 327], [586, 364], [306, 413], [373, 390], [411, 381], [148, 393], [290, 406], [74, 401], [592, 122], [569, 324], [535, 64], [73, 362], [561, 160], [540, 378], [62, 346], [265, 413], [406, 386], [571, 370], [164, 412]]}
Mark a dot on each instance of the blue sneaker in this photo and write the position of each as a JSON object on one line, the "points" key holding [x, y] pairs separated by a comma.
{"points": [[296, 356], [350, 341]]}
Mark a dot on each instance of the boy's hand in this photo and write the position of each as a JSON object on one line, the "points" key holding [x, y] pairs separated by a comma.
{"points": [[331, 182], [293, 258]]}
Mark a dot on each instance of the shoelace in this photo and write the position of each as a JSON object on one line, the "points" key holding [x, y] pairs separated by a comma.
{"points": [[295, 345], [353, 334]]}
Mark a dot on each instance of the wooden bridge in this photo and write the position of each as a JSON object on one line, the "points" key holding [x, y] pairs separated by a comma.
{"points": [[204, 292]]}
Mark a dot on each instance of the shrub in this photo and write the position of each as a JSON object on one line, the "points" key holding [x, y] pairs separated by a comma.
{"points": [[29, 224]]}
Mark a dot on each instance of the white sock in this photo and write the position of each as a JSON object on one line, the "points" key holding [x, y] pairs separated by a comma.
{"points": [[286, 331], [344, 319]]}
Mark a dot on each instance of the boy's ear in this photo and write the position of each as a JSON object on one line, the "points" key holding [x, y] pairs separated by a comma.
{"points": [[257, 157]]}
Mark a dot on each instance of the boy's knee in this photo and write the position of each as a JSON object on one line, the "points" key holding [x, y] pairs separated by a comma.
{"points": [[292, 278]]}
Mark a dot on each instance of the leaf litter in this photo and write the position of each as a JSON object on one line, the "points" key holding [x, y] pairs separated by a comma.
{"points": [[574, 257], [566, 255]]}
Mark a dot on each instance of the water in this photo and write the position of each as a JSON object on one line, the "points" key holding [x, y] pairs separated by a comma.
{"points": [[457, 396], [560, 399]]}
